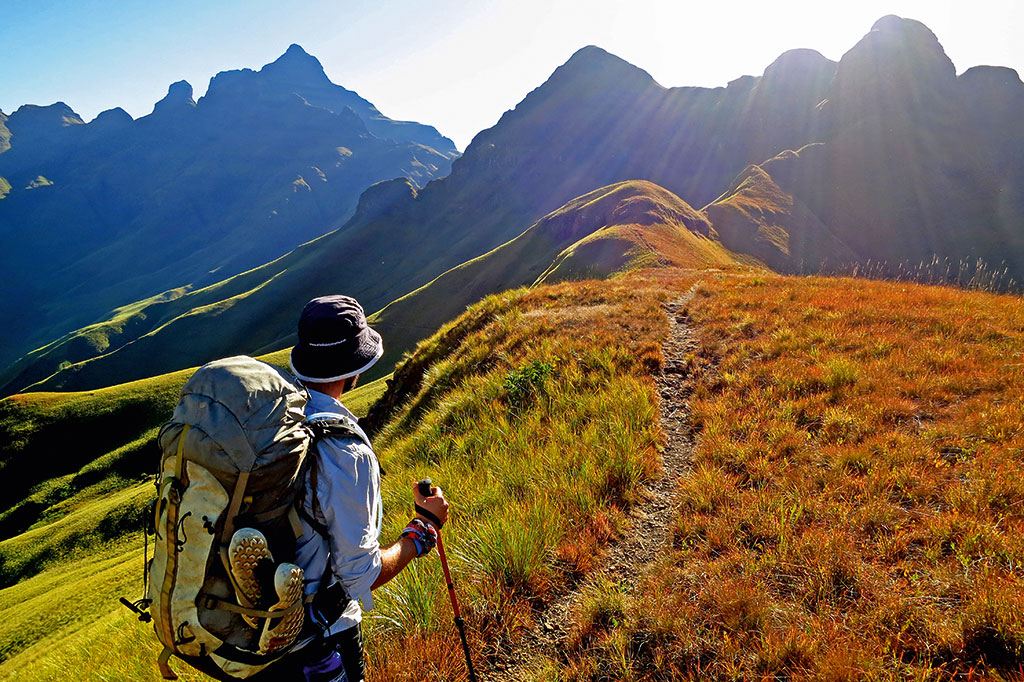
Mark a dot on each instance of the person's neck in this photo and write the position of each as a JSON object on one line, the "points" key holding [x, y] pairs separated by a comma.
{"points": [[334, 388]]}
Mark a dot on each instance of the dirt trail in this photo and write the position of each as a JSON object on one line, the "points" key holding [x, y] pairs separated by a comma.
{"points": [[649, 519]]}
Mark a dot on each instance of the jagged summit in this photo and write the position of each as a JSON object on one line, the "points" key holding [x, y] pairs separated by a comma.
{"points": [[296, 66], [993, 76], [897, 71], [58, 111], [898, 49], [178, 98], [800, 63], [298, 73], [380, 197], [117, 114]]}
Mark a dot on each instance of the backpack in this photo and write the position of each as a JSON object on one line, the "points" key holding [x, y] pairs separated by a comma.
{"points": [[233, 457]]}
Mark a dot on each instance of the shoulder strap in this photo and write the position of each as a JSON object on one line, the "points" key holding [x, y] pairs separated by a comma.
{"points": [[320, 425], [324, 424]]}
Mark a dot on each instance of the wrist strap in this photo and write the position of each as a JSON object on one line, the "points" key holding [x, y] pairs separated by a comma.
{"points": [[428, 515]]}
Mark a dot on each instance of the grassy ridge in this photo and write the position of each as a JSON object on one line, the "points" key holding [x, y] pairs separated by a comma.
{"points": [[536, 414], [607, 232], [856, 505], [89, 440], [855, 509], [531, 402]]}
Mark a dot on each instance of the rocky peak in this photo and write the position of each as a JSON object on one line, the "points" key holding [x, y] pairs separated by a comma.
{"points": [[898, 69], [799, 66], [992, 78], [110, 120], [296, 66], [592, 67], [116, 115], [995, 95], [178, 99], [383, 196]]}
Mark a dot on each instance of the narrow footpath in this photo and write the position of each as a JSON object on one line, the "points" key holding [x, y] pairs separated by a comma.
{"points": [[649, 519]]}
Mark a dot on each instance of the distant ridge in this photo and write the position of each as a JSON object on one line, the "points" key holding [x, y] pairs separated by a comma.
{"points": [[610, 231], [263, 162]]}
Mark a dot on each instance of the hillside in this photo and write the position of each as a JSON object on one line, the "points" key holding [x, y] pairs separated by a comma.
{"points": [[560, 142], [610, 231], [74, 537], [755, 216], [617, 228], [854, 507], [910, 166], [853, 504], [101, 214], [106, 440]]}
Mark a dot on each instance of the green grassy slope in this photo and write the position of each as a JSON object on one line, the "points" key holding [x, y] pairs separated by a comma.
{"points": [[611, 230], [262, 163], [90, 439], [73, 544], [94, 442], [855, 505], [758, 217], [596, 121]]}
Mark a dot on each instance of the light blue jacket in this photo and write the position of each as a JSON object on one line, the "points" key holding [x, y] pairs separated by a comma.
{"points": [[348, 493]]}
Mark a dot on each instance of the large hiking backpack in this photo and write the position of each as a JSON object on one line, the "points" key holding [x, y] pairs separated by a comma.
{"points": [[233, 456]]}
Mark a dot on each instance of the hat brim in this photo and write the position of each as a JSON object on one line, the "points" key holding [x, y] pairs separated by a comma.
{"points": [[323, 364]]}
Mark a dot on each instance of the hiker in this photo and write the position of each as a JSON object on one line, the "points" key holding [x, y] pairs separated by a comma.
{"points": [[341, 511]]}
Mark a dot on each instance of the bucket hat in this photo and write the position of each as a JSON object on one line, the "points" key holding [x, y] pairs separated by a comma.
{"points": [[334, 341]]}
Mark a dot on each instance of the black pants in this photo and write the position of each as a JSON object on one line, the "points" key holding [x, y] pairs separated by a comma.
{"points": [[349, 645]]}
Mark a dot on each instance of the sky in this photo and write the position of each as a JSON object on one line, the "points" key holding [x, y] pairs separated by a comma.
{"points": [[456, 65]]}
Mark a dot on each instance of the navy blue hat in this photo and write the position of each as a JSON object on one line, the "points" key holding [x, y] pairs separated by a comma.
{"points": [[334, 341]]}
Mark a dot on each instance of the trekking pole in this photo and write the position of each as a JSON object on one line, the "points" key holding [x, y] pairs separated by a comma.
{"points": [[425, 489]]}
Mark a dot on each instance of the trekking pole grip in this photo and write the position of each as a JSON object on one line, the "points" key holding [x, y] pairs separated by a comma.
{"points": [[425, 488]]}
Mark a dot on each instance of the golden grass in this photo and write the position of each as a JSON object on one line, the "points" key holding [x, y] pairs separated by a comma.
{"points": [[535, 412], [855, 509], [856, 505]]}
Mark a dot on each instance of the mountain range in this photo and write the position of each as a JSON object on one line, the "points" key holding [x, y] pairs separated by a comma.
{"points": [[102, 214], [887, 154]]}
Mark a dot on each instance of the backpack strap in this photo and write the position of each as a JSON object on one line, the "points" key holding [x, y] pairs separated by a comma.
{"points": [[326, 424], [322, 425], [213, 602]]}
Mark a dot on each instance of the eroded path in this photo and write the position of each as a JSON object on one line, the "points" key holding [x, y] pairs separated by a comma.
{"points": [[649, 519]]}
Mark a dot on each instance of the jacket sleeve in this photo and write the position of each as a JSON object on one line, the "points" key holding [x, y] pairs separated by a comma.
{"points": [[349, 495]]}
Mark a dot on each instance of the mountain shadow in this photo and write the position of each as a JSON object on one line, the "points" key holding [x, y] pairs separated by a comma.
{"points": [[101, 214], [596, 121]]}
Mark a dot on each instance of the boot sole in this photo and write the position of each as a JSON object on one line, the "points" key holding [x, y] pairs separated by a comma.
{"points": [[247, 549], [280, 632]]}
